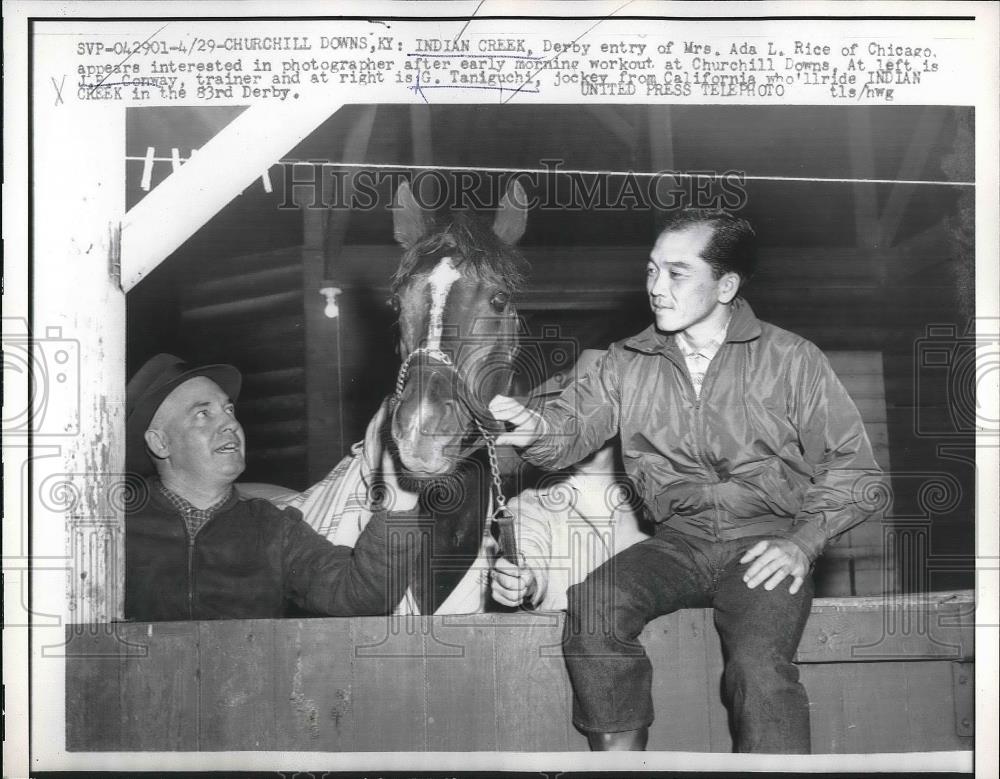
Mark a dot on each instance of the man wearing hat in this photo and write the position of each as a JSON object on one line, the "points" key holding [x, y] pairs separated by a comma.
{"points": [[194, 549], [749, 456]]}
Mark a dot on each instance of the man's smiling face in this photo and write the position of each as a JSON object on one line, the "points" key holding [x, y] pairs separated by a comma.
{"points": [[204, 444]]}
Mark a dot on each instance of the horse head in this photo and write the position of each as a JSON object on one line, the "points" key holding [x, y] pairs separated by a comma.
{"points": [[458, 328]]}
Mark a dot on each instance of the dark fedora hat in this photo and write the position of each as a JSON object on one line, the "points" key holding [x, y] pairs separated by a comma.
{"points": [[149, 387]]}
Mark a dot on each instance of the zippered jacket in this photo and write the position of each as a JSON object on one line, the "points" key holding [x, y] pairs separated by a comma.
{"points": [[252, 560], [774, 446]]}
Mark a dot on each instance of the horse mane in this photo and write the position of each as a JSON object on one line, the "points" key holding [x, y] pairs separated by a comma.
{"points": [[489, 257]]}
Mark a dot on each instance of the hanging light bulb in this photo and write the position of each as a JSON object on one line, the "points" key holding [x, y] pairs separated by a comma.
{"points": [[332, 310]]}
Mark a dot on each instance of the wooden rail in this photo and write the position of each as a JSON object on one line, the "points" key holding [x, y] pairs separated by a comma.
{"points": [[883, 675]]}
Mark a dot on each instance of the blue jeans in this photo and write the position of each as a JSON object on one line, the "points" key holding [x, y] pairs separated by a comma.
{"points": [[760, 632]]}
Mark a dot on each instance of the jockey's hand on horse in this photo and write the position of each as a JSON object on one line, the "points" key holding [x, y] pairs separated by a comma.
{"points": [[510, 585], [528, 426], [396, 499]]}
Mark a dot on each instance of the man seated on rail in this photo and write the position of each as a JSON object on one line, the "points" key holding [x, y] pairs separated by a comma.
{"points": [[569, 523], [749, 456], [195, 549]]}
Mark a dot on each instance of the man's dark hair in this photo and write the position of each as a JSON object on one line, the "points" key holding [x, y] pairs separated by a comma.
{"points": [[732, 247]]}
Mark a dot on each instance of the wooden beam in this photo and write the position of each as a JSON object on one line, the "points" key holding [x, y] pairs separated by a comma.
{"points": [[77, 366], [921, 142], [324, 238], [261, 305], [862, 155], [159, 223], [321, 399], [355, 150], [249, 284]]}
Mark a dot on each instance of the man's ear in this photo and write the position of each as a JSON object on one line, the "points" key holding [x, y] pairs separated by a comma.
{"points": [[156, 442], [729, 285]]}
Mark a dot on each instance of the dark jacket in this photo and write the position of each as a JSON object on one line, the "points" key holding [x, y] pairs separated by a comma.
{"points": [[774, 445], [251, 560]]}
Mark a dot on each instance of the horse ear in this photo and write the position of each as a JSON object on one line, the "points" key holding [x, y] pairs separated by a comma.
{"points": [[408, 219], [512, 216]]}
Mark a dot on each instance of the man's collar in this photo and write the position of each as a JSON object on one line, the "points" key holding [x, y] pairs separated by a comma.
{"points": [[181, 503], [710, 348], [743, 326]]}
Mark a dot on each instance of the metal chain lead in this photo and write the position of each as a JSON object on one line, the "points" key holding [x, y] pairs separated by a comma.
{"points": [[491, 453]]}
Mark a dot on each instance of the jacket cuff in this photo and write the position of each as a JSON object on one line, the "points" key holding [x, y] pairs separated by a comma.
{"points": [[810, 538], [539, 452], [536, 454]]}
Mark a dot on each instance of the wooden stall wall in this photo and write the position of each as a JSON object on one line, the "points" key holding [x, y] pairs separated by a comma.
{"points": [[881, 676]]}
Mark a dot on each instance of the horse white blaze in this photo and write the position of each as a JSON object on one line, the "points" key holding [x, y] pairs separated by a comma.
{"points": [[441, 279]]}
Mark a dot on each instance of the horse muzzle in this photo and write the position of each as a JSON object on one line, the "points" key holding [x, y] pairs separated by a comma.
{"points": [[430, 421]]}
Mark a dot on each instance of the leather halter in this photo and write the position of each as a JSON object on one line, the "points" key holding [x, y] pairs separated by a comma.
{"points": [[502, 518], [480, 414]]}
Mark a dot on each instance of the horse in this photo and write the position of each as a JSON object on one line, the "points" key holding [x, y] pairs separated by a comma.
{"points": [[453, 294], [458, 338]]}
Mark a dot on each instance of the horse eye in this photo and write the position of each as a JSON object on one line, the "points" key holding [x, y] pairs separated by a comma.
{"points": [[393, 303], [499, 301]]}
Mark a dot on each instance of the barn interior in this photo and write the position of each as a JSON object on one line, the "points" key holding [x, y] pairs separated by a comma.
{"points": [[864, 218]]}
